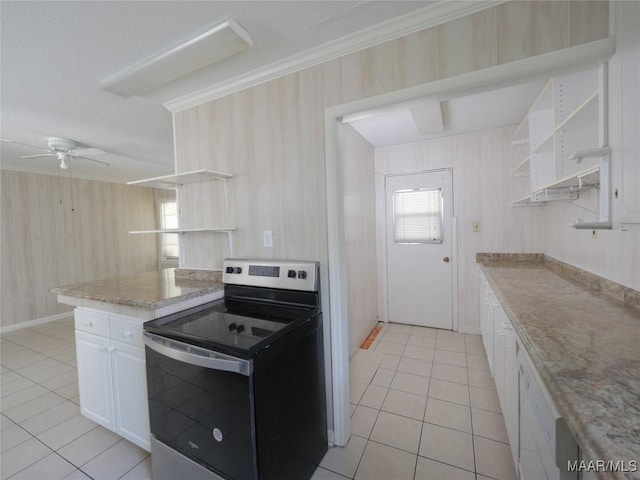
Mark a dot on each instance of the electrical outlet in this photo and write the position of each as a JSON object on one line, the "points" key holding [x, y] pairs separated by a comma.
{"points": [[267, 238], [476, 227]]}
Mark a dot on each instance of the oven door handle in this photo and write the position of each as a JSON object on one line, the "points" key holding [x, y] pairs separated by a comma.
{"points": [[205, 358]]}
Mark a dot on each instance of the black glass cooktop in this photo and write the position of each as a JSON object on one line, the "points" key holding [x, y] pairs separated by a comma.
{"points": [[240, 330]]}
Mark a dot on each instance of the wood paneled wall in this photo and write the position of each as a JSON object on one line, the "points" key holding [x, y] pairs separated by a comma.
{"points": [[46, 244], [360, 233], [271, 136], [483, 192]]}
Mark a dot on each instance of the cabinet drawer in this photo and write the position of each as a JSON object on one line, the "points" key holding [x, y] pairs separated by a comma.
{"points": [[91, 322], [127, 331]]}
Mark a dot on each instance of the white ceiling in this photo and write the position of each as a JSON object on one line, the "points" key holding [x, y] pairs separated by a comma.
{"points": [[55, 56], [467, 113]]}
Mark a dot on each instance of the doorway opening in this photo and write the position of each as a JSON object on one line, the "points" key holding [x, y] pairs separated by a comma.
{"points": [[339, 202]]}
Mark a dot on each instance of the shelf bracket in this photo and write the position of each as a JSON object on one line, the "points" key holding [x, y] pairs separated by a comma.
{"points": [[230, 243], [226, 195], [604, 191]]}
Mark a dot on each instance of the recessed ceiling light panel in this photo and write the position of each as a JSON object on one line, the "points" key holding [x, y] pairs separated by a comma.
{"points": [[215, 44]]}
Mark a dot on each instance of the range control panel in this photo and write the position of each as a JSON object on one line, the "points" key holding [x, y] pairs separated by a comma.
{"points": [[285, 274]]}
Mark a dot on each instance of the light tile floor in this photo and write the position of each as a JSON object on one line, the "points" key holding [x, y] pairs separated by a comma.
{"points": [[423, 406], [43, 435]]}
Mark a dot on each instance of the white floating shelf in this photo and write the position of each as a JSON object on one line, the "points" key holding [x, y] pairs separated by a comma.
{"points": [[586, 178], [228, 231], [179, 179], [186, 230]]}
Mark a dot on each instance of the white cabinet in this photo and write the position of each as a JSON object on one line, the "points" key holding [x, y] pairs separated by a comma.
{"points": [[129, 388], [112, 377], [506, 375], [94, 379], [487, 300], [500, 343]]}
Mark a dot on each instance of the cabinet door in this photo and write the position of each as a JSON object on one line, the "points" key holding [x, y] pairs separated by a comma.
{"points": [[486, 323], [130, 393], [94, 379], [499, 319], [511, 399]]}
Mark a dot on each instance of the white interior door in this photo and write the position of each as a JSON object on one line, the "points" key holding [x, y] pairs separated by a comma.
{"points": [[419, 262]]}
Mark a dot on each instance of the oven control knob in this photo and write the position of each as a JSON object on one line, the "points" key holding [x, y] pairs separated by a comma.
{"points": [[238, 270], [302, 274], [232, 327], [240, 329], [229, 270], [291, 274]]}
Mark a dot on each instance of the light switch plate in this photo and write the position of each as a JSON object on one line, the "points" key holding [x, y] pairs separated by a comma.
{"points": [[267, 238]]}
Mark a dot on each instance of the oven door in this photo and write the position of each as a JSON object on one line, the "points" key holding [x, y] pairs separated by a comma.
{"points": [[201, 405]]}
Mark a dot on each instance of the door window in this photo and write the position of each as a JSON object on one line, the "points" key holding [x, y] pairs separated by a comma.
{"points": [[417, 215]]}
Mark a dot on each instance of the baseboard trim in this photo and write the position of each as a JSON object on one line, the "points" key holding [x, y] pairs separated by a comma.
{"points": [[468, 329], [36, 322]]}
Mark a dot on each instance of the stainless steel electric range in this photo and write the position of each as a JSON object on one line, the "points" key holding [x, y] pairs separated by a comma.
{"points": [[236, 387]]}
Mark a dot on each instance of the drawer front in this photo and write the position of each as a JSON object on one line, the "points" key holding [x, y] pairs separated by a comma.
{"points": [[127, 331], [91, 322]]}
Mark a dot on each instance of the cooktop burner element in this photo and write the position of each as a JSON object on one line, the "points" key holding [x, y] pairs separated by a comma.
{"points": [[262, 302]]}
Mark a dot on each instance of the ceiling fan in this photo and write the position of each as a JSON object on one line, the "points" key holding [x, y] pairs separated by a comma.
{"points": [[64, 150]]}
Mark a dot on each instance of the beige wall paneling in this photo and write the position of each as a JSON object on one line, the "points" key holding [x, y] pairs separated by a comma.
{"points": [[588, 21], [553, 17], [613, 254], [360, 235], [484, 39], [417, 58], [455, 51], [516, 24], [45, 244]]}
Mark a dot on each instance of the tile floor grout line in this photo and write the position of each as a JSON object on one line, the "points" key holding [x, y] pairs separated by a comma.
{"points": [[473, 443]]}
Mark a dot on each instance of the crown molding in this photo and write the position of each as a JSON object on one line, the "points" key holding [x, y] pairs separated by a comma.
{"points": [[436, 14]]}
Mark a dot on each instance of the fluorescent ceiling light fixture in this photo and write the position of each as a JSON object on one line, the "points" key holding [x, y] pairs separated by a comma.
{"points": [[217, 43]]}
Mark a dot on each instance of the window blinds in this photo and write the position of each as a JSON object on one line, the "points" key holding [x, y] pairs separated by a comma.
{"points": [[417, 216]]}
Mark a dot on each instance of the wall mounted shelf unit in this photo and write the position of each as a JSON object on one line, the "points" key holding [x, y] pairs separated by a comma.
{"points": [[179, 179], [567, 120], [228, 231]]}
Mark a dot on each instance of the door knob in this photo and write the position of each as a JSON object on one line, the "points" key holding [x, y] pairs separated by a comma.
{"points": [[445, 259]]}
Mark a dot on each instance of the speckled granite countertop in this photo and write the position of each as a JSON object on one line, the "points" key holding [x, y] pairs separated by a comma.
{"points": [[586, 347], [149, 291]]}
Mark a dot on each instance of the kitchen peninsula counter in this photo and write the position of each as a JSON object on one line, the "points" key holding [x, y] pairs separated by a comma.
{"points": [[146, 296], [582, 333]]}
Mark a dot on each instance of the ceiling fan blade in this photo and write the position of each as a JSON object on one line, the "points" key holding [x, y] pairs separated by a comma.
{"points": [[92, 160], [84, 152], [4, 140], [39, 155]]}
